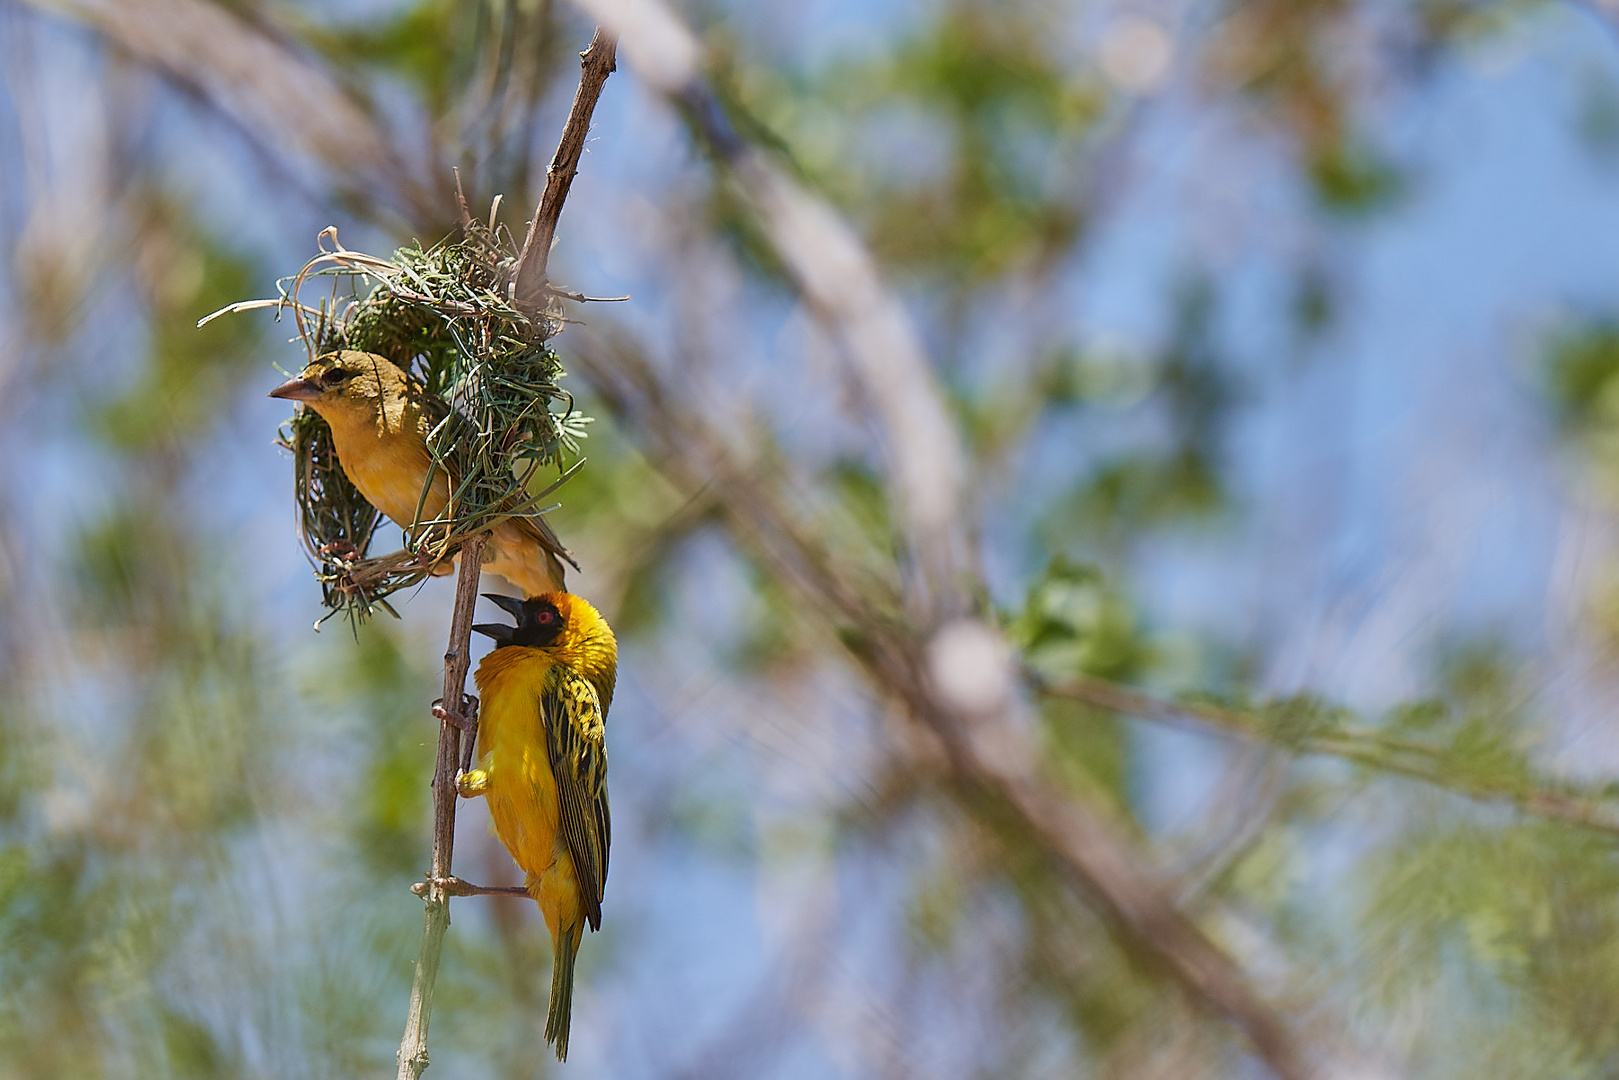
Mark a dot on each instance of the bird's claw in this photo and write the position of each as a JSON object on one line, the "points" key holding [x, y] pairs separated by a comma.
{"points": [[466, 719], [470, 783], [339, 551], [433, 564]]}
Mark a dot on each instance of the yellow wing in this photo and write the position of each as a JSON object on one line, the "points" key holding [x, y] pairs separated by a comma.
{"points": [[575, 727], [528, 554]]}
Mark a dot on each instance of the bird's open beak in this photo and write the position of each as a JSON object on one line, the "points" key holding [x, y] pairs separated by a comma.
{"points": [[511, 605], [299, 389], [501, 634]]}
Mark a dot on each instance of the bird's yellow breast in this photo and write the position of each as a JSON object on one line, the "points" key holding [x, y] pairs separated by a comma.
{"points": [[521, 792], [387, 460]]}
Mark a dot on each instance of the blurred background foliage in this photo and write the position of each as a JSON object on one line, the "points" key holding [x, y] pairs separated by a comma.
{"points": [[1284, 341]]}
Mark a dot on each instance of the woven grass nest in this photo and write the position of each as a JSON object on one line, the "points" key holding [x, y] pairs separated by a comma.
{"points": [[443, 314]]}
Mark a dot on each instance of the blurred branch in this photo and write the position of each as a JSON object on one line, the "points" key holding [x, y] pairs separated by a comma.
{"points": [[269, 90], [1103, 864], [839, 282], [597, 62], [990, 762], [1587, 809], [413, 1047], [920, 663]]}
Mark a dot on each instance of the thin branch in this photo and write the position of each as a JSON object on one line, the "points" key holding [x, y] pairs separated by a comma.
{"points": [[413, 1047], [1105, 865], [1585, 809], [597, 62]]}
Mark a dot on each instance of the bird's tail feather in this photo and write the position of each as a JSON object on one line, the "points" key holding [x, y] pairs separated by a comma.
{"points": [[560, 1017]]}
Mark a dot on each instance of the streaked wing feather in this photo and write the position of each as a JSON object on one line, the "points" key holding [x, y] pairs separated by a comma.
{"points": [[576, 739]]}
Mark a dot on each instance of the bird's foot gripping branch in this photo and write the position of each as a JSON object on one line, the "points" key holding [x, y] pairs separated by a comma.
{"points": [[466, 719], [454, 886]]}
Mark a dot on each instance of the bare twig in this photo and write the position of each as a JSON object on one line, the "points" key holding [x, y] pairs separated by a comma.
{"points": [[458, 657], [1585, 809], [595, 63]]}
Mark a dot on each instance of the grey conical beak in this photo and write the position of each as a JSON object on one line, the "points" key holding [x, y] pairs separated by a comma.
{"points": [[501, 634], [511, 605], [296, 390]]}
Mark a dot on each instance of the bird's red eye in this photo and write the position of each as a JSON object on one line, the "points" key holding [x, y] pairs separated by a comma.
{"points": [[543, 617]]}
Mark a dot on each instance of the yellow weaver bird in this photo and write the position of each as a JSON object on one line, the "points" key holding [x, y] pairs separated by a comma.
{"points": [[545, 691], [380, 421]]}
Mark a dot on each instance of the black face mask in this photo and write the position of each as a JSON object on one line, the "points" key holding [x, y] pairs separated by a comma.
{"points": [[538, 622]]}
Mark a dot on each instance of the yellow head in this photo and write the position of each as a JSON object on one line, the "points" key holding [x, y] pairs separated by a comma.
{"points": [[348, 387], [566, 629]]}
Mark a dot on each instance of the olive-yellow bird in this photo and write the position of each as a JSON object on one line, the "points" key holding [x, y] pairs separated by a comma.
{"points": [[380, 421], [545, 691]]}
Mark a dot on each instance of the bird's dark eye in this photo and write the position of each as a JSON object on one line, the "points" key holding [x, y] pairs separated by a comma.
{"points": [[335, 376], [545, 618]]}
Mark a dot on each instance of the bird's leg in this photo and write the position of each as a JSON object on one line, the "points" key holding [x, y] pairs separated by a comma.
{"points": [[454, 886], [472, 738]]}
